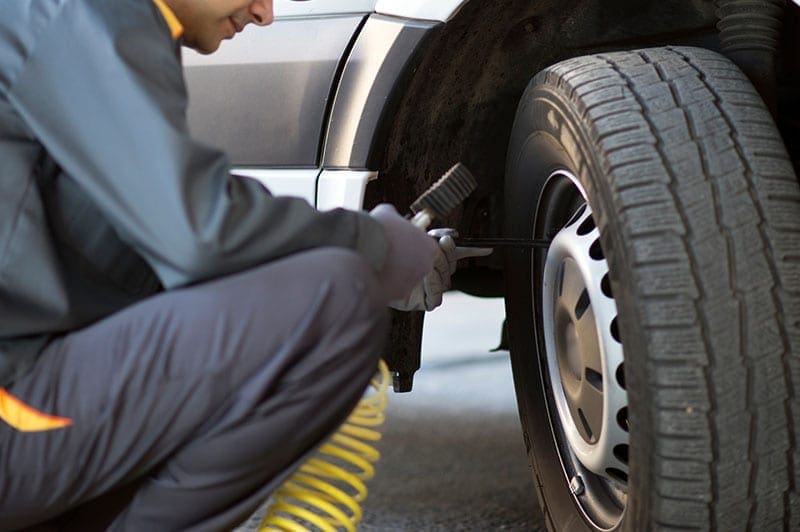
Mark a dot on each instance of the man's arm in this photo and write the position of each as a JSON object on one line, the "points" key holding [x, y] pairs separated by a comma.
{"points": [[103, 92]]}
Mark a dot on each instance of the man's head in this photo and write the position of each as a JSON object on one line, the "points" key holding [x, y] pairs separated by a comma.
{"points": [[207, 22]]}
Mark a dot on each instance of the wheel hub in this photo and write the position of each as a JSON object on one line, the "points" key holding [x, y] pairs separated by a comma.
{"points": [[584, 354]]}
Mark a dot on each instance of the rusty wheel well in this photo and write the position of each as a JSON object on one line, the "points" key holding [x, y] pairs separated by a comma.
{"points": [[460, 102]]}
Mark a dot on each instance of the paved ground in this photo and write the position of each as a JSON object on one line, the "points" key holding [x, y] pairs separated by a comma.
{"points": [[453, 457]]}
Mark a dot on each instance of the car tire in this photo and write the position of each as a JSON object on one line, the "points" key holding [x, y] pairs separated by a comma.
{"points": [[671, 206]]}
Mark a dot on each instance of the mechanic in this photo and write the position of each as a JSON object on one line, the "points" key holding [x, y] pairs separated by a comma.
{"points": [[174, 340]]}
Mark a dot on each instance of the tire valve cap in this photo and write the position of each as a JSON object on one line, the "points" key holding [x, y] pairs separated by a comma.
{"points": [[576, 485]]}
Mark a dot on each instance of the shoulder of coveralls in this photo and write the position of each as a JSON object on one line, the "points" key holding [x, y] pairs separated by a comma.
{"points": [[24, 22], [21, 24]]}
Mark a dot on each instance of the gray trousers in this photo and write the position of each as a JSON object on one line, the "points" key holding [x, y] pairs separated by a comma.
{"points": [[193, 405]]}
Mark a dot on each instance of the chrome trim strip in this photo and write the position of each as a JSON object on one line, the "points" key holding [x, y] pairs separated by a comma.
{"points": [[285, 182], [441, 10], [325, 189], [285, 8], [343, 188]]}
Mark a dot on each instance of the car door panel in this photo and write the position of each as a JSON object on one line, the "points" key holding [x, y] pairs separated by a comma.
{"points": [[263, 97]]}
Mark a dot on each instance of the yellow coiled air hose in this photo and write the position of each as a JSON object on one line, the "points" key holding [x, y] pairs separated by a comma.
{"points": [[326, 492]]}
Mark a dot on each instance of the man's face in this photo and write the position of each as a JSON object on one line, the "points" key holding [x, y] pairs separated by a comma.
{"points": [[207, 22]]}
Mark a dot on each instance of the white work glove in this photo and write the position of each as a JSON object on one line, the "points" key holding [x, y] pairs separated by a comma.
{"points": [[427, 295], [409, 256]]}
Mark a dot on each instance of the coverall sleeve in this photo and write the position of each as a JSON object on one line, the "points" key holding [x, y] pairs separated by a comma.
{"points": [[103, 92]]}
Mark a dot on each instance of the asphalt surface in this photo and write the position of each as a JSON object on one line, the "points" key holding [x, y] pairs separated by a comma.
{"points": [[452, 451]]}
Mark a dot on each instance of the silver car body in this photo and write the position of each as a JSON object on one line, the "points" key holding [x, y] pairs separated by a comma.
{"points": [[315, 84]]}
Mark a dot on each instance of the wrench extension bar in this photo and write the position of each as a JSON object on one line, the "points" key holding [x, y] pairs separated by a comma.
{"points": [[502, 242]]}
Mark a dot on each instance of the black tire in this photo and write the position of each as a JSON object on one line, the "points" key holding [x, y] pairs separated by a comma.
{"points": [[696, 204]]}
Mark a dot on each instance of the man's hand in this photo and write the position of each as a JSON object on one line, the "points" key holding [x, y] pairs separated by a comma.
{"points": [[427, 295], [410, 255]]}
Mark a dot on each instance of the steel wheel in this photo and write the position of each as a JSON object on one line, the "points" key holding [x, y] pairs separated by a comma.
{"points": [[583, 363]]}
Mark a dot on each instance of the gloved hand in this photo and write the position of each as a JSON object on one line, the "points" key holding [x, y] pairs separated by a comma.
{"points": [[410, 254], [427, 295]]}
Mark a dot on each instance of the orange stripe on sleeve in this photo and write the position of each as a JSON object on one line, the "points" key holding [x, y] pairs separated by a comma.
{"points": [[25, 418]]}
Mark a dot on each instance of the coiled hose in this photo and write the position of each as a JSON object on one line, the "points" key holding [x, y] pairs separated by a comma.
{"points": [[326, 492]]}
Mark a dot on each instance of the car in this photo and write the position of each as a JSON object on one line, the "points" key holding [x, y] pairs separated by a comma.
{"points": [[653, 146]]}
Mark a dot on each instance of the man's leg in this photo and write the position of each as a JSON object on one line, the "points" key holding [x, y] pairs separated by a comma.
{"points": [[206, 396]]}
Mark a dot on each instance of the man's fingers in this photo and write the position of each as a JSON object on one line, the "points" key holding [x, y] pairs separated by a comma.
{"points": [[442, 260], [447, 244], [444, 265], [440, 232], [433, 292]]}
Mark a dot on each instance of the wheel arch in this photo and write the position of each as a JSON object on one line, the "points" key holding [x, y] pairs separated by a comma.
{"points": [[459, 100]]}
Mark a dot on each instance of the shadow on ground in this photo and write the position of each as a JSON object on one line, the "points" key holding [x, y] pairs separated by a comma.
{"points": [[450, 462]]}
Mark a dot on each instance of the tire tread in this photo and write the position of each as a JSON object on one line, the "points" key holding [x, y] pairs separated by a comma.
{"points": [[694, 159]]}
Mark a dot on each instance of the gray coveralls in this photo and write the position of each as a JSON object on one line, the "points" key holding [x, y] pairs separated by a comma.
{"points": [[188, 336]]}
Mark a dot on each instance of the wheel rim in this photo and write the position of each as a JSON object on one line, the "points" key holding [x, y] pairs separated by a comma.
{"points": [[583, 359]]}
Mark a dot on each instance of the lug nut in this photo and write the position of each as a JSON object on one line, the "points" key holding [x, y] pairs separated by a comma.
{"points": [[576, 485]]}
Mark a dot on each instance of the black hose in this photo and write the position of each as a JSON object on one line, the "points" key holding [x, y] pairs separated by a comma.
{"points": [[750, 32]]}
